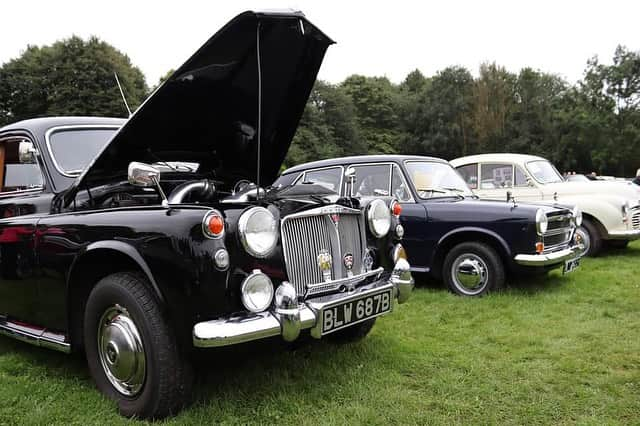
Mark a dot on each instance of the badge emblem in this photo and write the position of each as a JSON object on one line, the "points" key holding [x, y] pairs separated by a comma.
{"points": [[324, 264], [335, 218], [348, 261]]}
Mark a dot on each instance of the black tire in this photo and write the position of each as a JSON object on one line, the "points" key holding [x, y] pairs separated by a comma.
{"points": [[591, 237], [473, 259], [352, 334], [168, 375], [618, 244]]}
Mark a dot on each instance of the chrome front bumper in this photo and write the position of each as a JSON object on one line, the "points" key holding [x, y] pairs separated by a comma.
{"points": [[546, 259], [288, 317], [631, 234]]}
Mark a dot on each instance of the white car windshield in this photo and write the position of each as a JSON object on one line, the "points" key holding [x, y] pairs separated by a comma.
{"points": [[433, 179], [544, 172]]}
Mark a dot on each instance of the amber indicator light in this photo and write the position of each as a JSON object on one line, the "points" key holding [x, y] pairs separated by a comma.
{"points": [[215, 225]]}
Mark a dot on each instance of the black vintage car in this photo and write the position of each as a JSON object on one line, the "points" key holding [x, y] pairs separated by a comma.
{"points": [[470, 244], [138, 241]]}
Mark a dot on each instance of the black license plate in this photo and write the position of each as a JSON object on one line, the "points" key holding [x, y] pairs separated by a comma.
{"points": [[355, 311], [570, 265]]}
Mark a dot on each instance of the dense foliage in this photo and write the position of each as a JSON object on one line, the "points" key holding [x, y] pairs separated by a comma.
{"points": [[70, 77], [592, 126]]}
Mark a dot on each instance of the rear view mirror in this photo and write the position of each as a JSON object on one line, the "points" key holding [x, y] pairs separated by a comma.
{"points": [[143, 175], [26, 152]]}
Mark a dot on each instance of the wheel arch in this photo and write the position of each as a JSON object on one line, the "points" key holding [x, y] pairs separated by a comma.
{"points": [[469, 234], [97, 261]]}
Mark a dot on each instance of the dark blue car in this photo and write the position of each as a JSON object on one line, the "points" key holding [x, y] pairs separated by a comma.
{"points": [[470, 244]]}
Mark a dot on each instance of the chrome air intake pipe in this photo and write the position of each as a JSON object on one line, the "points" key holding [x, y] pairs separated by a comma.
{"points": [[202, 189]]}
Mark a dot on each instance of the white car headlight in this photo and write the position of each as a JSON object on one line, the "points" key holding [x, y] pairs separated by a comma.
{"points": [[257, 292], [577, 216], [541, 221], [258, 231], [379, 218]]}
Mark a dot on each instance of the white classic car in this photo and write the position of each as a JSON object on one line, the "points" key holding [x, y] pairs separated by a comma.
{"points": [[611, 210]]}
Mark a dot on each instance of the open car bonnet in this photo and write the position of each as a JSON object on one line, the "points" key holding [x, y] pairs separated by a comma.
{"points": [[207, 112]]}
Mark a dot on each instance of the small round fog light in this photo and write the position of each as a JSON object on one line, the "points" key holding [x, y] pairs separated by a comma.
{"points": [[257, 291], [222, 258], [399, 231]]}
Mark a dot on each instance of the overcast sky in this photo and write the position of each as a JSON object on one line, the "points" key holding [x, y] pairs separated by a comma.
{"points": [[374, 37]]}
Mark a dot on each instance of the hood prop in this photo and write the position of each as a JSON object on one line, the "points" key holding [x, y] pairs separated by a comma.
{"points": [[259, 69]]}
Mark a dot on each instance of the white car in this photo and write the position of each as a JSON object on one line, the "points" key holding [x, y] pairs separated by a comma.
{"points": [[611, 210]]}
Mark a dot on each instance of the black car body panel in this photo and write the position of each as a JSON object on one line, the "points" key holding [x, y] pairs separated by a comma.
{"points": [[60, 237]]}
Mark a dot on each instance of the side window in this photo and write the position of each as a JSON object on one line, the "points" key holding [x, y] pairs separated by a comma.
{"points": [[399, 187], [329, 178], [372, 180], [521, 178], [470, 175], [496, 176], [19, 170]]}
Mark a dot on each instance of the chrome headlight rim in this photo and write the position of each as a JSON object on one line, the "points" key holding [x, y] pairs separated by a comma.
{"points": [[243, 223], [246, 297], [577, 216], [542, 222], [379, 218]]}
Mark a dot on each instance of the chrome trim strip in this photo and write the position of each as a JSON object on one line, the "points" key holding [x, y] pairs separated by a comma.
{"points": [[323, 287], [52, 130], [244, 327], [632, 234], [546, 259], [34, 336]]}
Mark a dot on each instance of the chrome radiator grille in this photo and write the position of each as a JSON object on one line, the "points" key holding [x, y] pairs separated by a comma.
{"points": [[559, 232], [336, 230], [635, 218]]}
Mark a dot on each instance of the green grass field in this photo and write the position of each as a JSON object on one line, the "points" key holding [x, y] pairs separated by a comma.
{"points": [[560, 350]]}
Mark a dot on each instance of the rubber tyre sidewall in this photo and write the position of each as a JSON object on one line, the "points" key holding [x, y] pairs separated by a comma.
{"points": [[495, 267], [145, 404], [594, 238]]}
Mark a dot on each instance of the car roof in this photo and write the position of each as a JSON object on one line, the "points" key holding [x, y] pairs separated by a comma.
{"points": [[506, 157], [358, 159], [42, 124]]}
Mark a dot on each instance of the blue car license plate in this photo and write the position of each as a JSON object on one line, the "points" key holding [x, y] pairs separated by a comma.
{"points": [[570, 265]]}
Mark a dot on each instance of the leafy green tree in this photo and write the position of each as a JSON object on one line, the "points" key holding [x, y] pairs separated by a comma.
{"points": [[70, 77], [376, 101], [442, 123]]}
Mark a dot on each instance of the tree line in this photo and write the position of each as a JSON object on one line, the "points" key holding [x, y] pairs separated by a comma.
{"points": [[593, 125]]}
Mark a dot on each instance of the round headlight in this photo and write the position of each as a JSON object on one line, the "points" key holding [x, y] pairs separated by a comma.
{"points": [[258, 231], [541, 221], [379, 218], [257, 292], [577, 215]]}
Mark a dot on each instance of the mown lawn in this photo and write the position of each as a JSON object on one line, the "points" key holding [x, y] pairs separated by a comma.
{"points": [[560, 350]]}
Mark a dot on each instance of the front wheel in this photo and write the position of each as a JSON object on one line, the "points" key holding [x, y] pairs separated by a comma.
{"points": [[132, 351], [473, 269], [590, 238]]}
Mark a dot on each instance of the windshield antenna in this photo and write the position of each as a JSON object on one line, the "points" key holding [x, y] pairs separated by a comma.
{"points": [[122, 93], [259, 107]]}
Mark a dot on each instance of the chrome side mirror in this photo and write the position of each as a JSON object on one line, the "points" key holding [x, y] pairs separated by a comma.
{"points": [[143, 175], [26, 152], [146, 176], [350, 175]]}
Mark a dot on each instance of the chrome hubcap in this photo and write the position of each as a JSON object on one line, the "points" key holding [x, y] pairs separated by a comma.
{"points": [[469, 273], [582, 237], [121, 351]]}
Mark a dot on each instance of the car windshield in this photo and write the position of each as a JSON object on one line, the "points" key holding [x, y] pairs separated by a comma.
{"points": [[73, 149], [433, 179], [544, 172]]}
